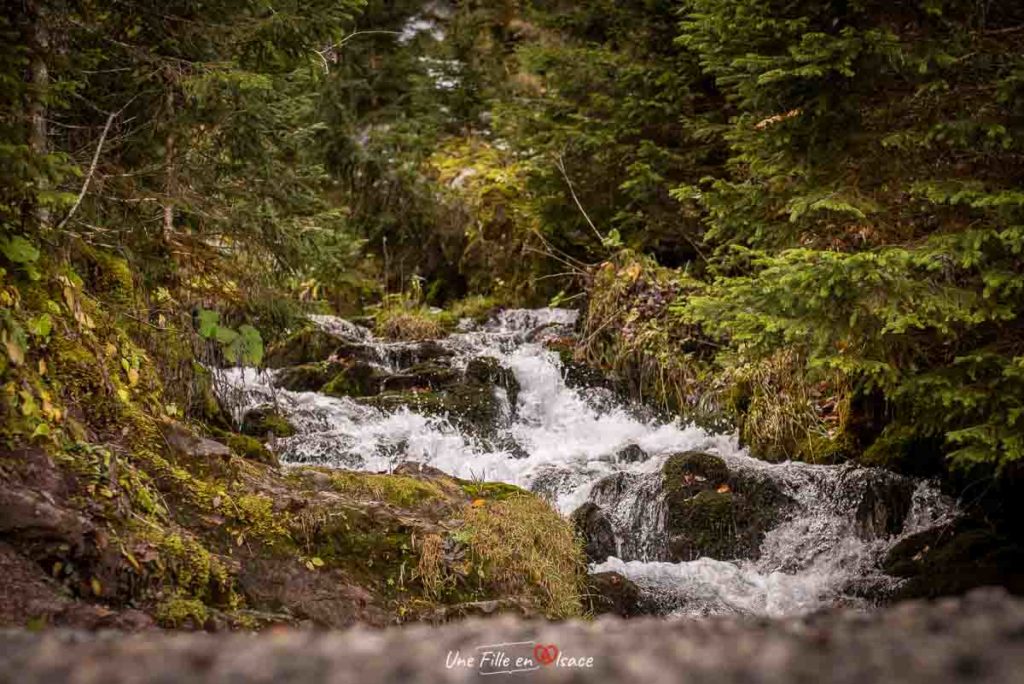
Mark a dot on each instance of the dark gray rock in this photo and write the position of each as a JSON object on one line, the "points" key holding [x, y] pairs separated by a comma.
{"points": [[596, 530], [613, 594], [884, 504], [714, 512], [631, 454]]}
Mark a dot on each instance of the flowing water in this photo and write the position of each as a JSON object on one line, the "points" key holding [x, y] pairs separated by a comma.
{"points": [[563, 443]]}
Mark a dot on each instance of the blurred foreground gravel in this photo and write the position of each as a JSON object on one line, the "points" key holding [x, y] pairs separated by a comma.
{"points": [[977, 638]]}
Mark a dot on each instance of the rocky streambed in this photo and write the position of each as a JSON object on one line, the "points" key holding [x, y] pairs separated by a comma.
{"points": [[676, 520]]}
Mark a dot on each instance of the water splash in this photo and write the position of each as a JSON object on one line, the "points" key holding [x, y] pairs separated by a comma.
{"points": [[563, 443]]}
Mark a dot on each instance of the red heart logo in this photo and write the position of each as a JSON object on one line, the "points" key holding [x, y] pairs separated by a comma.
{"points": [[545, 655]]}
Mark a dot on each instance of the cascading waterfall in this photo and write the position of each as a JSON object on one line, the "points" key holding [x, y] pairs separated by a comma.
{"points": [[564, 443]]}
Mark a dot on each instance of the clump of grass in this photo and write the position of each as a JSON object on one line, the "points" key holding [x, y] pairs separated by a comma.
{"points": [[431, 569], [525, 548], [410, 325], [783, 415], [406, 318]]}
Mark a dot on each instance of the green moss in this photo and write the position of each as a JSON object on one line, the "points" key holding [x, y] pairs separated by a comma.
{"points": [[397, 489], [260, 422], [477, 308], [107, 274], [247, 447], [306, 377], [495, 491], [685, 474], [704, 525], [356, 380], [305, 346], [180, 611]]}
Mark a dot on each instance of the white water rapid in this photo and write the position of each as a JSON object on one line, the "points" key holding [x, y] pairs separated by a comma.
{"points": [[561, 441]]}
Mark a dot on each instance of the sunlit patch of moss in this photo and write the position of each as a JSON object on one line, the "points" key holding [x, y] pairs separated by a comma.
{"points": [[180, 611], [411, 324], [496, 491], [400, 490]]}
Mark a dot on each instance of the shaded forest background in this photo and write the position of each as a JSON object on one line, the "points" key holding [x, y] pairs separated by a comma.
{"points": [[803, 218]]}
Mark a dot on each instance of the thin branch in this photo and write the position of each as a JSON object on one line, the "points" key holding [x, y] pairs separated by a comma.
{"points": [[92, 169], [560, 164], [322, 54], [1003, 31]]}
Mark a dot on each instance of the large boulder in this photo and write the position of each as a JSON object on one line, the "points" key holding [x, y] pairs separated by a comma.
{"points": [[596, 530], [711, 511], [952, 559]]}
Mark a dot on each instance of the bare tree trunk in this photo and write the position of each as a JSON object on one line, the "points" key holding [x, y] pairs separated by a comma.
{"points": [[38, 40]]}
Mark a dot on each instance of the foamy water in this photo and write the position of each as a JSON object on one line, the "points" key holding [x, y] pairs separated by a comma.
{"points": [[567, 440]]}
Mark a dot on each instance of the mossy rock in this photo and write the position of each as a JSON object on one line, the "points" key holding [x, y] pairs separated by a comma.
{"points": [[714, 512], [473, 407], [690, 472], [427, 375], [356, 380], [306, 377], [610, 593], [310, 345], [205, 404], [495, 491], [487, 370], [953, 559], [247, 447], [705, 525], [266, 420], [906, 451]]}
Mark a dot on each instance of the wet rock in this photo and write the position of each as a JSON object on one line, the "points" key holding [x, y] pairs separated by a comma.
{"points": [[430, 375], [306, 377], [594, 527], [634, 502], [884, 504], [266, 421], [613, 594], [471, 403], [408, 354], [631, 454], [306, 346], [954, 558], [487, 370], [356, 379], [716, 513]]}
